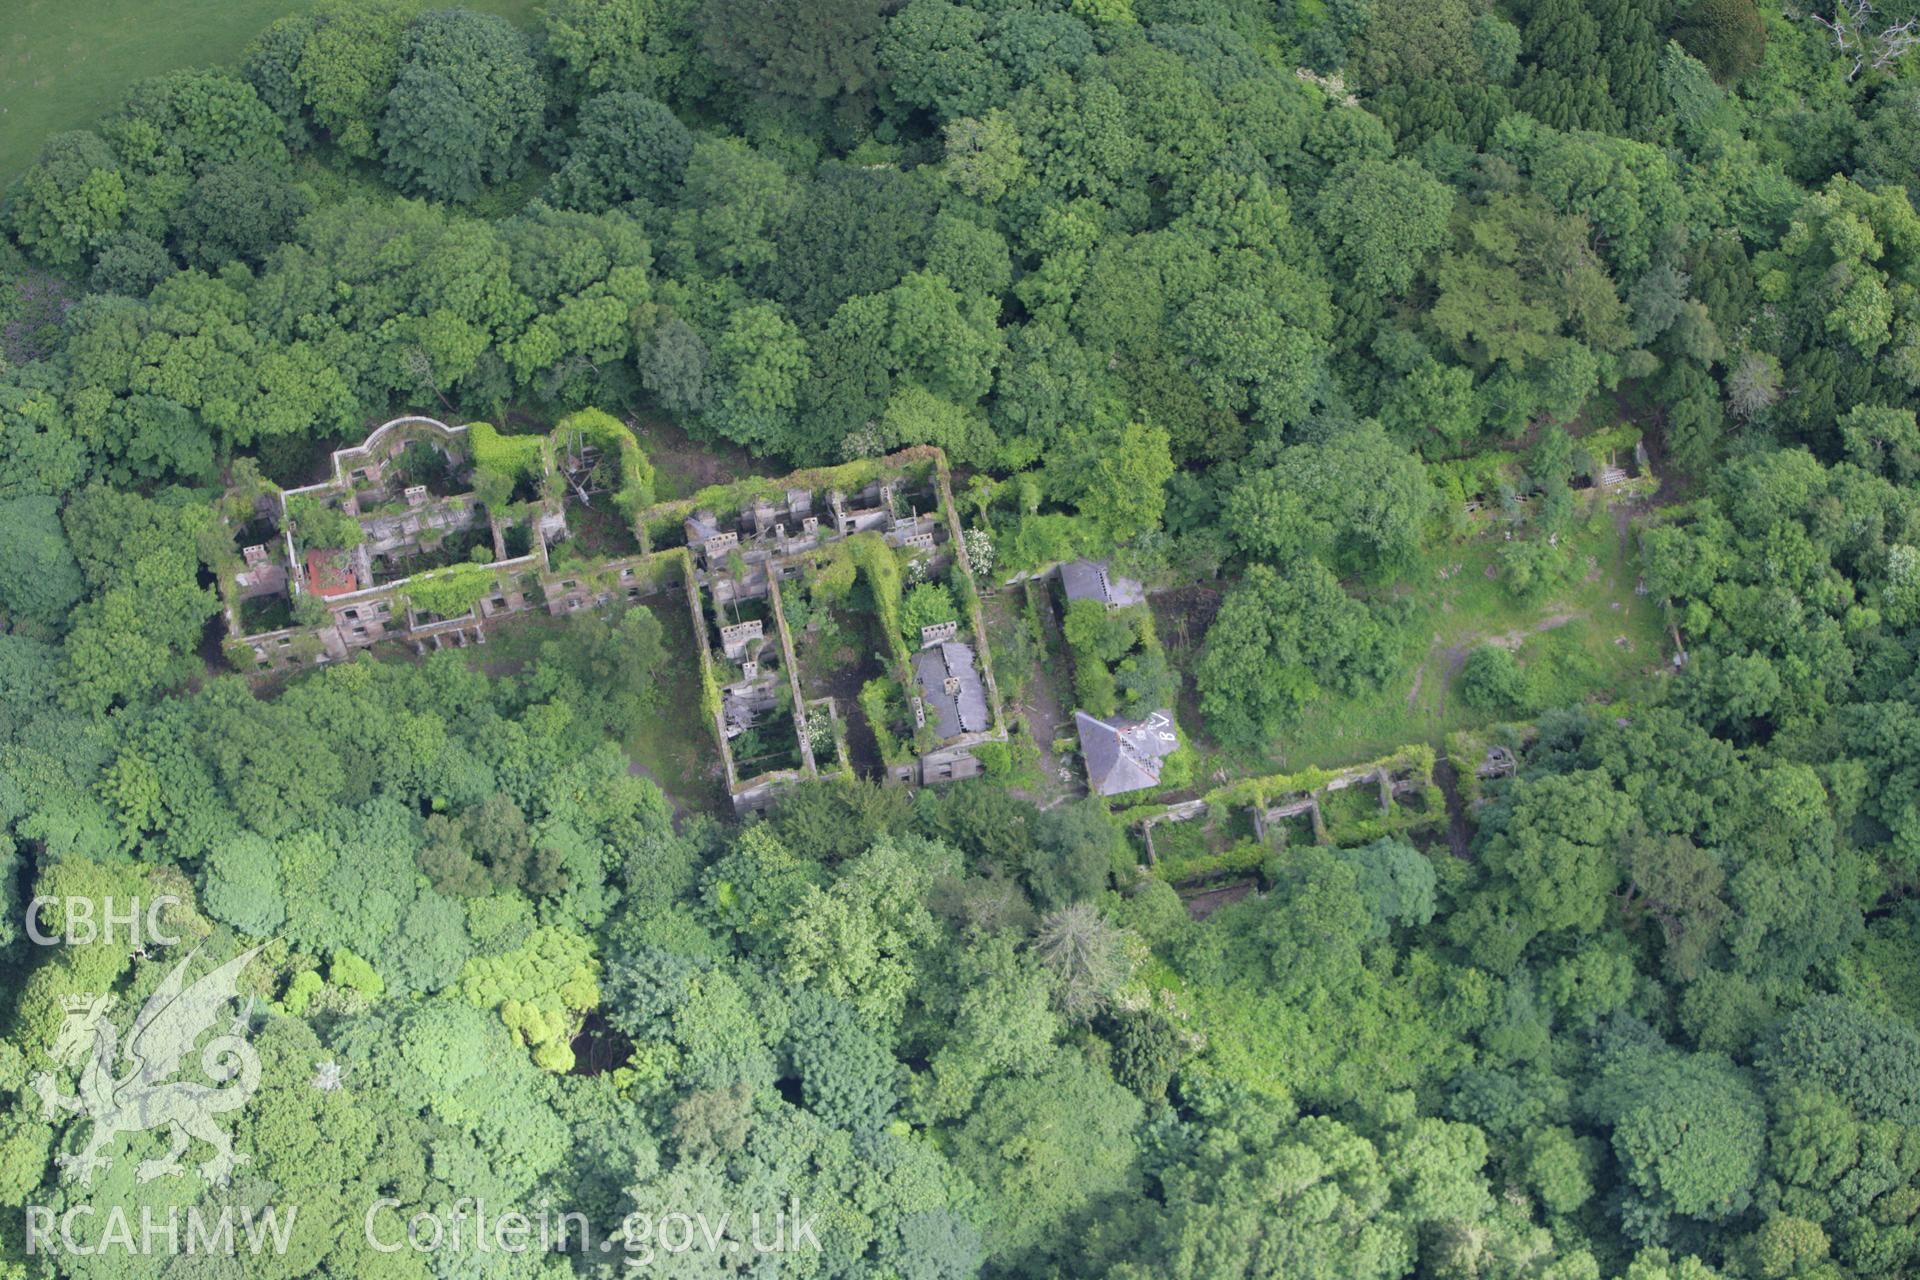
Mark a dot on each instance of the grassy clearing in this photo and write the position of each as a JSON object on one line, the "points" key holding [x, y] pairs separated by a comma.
{"points": [[684, 466], [1594, 639], [675, 747], [64, 64]]}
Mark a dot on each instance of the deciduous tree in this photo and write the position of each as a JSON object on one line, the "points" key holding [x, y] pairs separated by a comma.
{"points": [[466, 102]]}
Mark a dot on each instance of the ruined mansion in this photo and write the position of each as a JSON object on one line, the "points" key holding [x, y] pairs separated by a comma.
{"points": [[420, 537]]}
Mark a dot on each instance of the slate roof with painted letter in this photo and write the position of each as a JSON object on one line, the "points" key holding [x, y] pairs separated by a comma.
{"points": [[1125, 756]]}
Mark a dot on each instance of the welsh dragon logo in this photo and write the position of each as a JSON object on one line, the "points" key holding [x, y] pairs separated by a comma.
{"points": [[129, 1089]]}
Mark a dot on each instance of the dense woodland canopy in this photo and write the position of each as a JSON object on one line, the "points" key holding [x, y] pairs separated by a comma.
{"points": [[1253, 296]]}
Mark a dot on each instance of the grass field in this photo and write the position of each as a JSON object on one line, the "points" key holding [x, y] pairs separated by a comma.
{"points": [[1592, 639], [65, 63], [1598, 638]]}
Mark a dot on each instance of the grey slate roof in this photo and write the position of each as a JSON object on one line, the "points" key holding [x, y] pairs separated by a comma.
{"points": [[1124, 755], [1090, 580], [951, 713]]}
